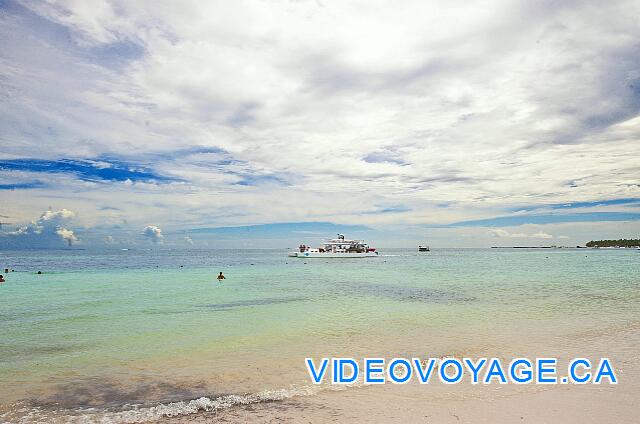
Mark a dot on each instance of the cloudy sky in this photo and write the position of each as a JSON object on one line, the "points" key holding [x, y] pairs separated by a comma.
{"points": [[264, 123]]}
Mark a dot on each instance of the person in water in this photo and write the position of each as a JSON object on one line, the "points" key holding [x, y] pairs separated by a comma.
{"points": [[221, 277], [1, 279]]}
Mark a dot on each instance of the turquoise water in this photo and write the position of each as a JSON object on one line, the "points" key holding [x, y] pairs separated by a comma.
{"points": [[111, 329]]}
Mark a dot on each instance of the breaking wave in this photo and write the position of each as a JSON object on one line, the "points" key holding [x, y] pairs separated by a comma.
{"points": [[141, 414]]}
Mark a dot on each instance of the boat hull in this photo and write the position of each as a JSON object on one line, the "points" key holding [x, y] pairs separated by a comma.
{"points": [[332, 255]]}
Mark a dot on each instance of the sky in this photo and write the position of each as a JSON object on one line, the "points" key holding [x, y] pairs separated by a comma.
{"points": [[271, 123]]}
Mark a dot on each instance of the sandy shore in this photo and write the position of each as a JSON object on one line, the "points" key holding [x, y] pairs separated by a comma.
{"points": [[408, 404], [466, 403]]}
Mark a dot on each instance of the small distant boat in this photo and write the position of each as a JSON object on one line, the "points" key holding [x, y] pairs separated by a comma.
{"points": [[336, 248], [423, 249]]}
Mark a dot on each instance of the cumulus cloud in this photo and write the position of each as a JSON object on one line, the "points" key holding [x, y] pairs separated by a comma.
{"points": [[48, 230], [153, 233], [67, 235]]}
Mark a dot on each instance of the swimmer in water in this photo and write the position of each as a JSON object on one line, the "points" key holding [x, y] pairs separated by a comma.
{"points": [[221, 277], [1, 279]]}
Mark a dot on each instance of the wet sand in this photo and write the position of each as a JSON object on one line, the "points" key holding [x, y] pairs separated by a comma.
{"points": [[466, 403], [555, 404]]}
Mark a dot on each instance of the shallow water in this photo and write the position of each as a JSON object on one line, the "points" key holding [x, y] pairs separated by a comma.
{"points": [[117, 333]]}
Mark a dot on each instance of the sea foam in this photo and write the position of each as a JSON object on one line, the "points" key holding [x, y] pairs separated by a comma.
{"points": [[175, 409]]}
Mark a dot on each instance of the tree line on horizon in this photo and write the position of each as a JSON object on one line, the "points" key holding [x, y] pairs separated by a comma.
{"points": [[614, 243]]}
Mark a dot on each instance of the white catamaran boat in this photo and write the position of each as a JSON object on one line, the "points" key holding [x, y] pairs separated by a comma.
{"points": [[336, 248]]}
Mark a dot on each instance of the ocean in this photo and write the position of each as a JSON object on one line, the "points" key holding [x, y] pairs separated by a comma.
{"points": [[146, 335]]}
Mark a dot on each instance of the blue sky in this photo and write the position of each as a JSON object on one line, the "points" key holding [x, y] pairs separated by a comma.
{"points": [[232, 124]]}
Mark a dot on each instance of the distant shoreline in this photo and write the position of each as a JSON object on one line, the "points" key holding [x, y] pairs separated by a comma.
{"points": [[563, 247], [538, 247]]}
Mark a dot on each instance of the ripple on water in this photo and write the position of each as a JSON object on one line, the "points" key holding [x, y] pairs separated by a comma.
{"points": [[251, 302], [404, 293]]}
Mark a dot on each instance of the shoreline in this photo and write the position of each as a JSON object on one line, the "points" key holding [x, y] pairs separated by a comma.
{"points": [[554, 405], [82, 345]]}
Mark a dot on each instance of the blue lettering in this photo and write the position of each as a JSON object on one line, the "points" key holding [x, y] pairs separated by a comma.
{"points": [[474, 368], [495, 370], [315, 376], [542, 370], [605, 370], [371, 366], [392, 373], [424, 375], [526, 375], [443, 371], [586, 364], [338, 370]]}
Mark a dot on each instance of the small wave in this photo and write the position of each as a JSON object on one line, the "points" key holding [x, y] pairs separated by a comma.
{"points": [[141, 414]]}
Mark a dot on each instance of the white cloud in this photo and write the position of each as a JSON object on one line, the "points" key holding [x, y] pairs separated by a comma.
{"points": [[153, 233], [541, 235], [67, 235], [502, 233], [48, 230], [417, 104]]}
